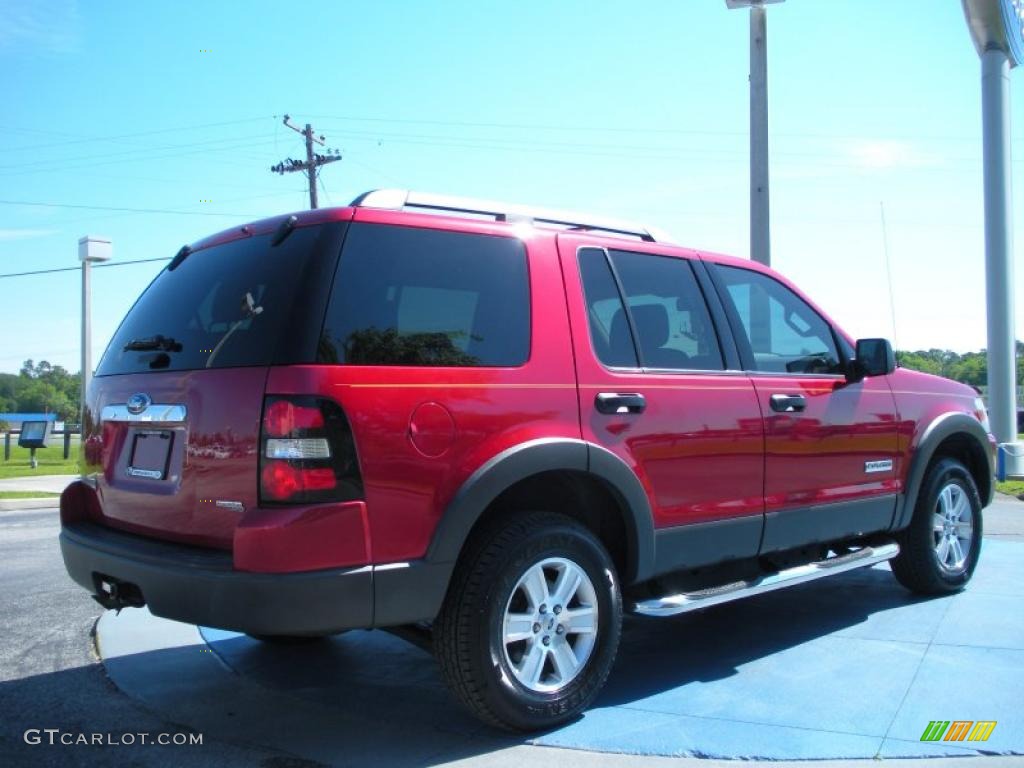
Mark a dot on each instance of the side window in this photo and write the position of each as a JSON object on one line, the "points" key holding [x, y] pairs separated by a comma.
{"points": [[666, 310], [421, 297], [609, 328], [785, 335], [669, 313]]}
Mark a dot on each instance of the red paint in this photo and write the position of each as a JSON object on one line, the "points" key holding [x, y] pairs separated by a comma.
{"points": [[277, 539]]}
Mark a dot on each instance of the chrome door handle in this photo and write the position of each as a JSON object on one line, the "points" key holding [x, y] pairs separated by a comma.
{"points": [[788, 403], [620, 402]]}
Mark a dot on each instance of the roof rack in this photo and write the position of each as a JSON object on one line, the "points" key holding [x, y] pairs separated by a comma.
{"points": [[399, 199]]}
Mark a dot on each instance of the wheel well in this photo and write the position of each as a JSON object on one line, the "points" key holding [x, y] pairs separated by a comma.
{"points": [[579, 495], [965, 449]]}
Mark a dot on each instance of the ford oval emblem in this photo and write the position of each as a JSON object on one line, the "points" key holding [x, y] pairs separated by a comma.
{"points": [[139, 402]]}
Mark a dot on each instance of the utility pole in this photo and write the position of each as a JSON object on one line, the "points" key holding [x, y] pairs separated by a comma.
{"points": [[760, 228], [312, 162]]}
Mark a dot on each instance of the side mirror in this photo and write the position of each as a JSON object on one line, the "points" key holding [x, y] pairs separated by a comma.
{"points": [[874, 358]]}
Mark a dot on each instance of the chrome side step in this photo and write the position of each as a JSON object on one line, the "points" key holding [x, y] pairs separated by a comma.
{"points": [[672, 605]]}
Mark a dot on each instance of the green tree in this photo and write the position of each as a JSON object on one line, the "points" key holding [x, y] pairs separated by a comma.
{"points": [[969, 368], [44, 388]]}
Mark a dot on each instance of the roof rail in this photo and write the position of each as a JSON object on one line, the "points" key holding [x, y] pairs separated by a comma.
{"points": [[399, 199]]}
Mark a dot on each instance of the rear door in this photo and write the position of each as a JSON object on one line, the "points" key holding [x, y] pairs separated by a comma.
{"points": [[830, 444], [660, 390], [173, 413]]}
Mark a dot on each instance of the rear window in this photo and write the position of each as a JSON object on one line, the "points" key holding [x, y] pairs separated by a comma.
{"points": [[422, 297], [243, 303]]}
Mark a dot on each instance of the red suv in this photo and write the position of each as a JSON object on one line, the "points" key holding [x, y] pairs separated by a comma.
{"points": [[502, 427]]}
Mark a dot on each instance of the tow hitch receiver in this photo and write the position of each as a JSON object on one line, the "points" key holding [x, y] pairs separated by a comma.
{"points": [[113, 593]]}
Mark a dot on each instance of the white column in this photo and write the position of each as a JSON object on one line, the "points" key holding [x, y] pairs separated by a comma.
{"points": [[1002, 391]]}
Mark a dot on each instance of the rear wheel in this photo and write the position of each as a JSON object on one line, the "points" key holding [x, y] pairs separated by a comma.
{"points": [[530, 627], [940, 548]]}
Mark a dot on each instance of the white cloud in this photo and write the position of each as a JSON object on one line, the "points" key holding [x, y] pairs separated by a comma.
{"points": [[25, 234], [885, 154], [50, 25]]}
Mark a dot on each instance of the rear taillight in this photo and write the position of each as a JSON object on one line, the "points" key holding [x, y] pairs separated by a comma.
{"points": [[307, 454]]}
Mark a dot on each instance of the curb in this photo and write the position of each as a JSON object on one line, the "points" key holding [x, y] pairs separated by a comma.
{"points": [[12, 505]]}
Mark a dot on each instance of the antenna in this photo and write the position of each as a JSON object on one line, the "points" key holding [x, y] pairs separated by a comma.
{"points": [[888, 272]]}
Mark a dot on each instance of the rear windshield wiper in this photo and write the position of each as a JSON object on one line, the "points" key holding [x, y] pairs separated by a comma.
{"points": [[158, 342]]}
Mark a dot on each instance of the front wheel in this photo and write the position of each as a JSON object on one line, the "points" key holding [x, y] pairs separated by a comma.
{"points": [[530, 627], [940, 548]]}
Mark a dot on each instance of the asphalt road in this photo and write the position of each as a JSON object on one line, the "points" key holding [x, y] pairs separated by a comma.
{"points": [[50, 677]]}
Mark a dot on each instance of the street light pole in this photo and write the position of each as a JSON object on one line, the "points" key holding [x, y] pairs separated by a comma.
{"points": [[91, 248], [760, 226]]}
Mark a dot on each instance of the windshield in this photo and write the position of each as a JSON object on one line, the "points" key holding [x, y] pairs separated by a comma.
{"points": [[243, 303]]}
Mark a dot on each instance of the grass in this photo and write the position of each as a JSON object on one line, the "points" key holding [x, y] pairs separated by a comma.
{"points": [[27, 495], [1012, 487], [51, 460]]}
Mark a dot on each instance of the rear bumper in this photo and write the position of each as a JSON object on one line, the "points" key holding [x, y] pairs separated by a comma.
{"points": [[202, 587]]}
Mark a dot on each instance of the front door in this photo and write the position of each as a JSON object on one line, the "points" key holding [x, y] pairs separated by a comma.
{"points": [[830, 444], [656, 390]]}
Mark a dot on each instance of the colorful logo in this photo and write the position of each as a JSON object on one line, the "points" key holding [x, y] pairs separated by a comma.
{"points": [[958, 730]]}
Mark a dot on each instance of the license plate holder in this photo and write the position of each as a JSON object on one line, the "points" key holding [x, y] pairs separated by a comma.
{"points": [[151, 454]]}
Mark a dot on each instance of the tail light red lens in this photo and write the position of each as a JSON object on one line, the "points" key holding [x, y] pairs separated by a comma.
{"points": [[307, 454], [282, 417]]}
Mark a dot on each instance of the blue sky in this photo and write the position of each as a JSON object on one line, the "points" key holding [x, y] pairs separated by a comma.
{"points": [[636, 110]]}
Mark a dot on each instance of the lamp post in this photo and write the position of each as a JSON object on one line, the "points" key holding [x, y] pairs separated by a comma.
{"points": [[760, 229], [91, 249], [997, 28]]}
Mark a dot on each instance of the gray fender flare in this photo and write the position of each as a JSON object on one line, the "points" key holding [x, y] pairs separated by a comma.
{"points": [[533, 457], [942, 427]]}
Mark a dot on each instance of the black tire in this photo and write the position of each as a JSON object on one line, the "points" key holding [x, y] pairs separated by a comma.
{"points": [[917, 566], [469, 632]]}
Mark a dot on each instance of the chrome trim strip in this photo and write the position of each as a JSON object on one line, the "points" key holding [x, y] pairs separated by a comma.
{"points": [[391, 566], [673, 605], [163, 413]]}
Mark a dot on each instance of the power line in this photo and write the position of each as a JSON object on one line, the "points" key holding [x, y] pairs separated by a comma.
{"points": [[129, 155], [128, 210], [76, 269], [118, 137], [655, 151], [596, 128], [106, 217]]}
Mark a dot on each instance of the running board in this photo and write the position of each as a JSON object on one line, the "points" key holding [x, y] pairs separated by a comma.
{"points": [[672, 605]]}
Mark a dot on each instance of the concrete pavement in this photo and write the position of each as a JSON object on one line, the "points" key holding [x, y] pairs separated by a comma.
{"points": [[34, 484], [46, 483]]}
